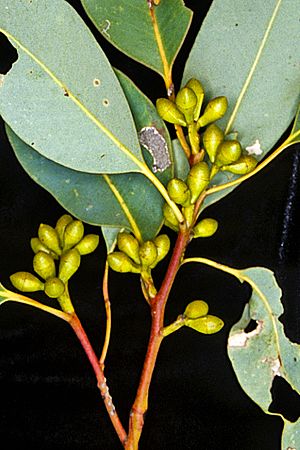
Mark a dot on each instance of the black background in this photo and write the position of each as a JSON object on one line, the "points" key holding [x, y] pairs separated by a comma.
{"points": [[48, 392]]}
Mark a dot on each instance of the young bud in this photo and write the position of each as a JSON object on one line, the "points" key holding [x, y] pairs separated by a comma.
{"points": [[206, 325], [43, 265], [169, 112], [198, 179], [178, 191], [148, 253], [37, 246], [188, 213], [120, 262], [228, 153], [73, 234], [186, 102], [129, 245], [245, 164], [214, 110], [69, 264], [26, 282], [162, 243], [49, 237], [194, 138], [170, 216], [54, 287], [195, 309], [205, 228], [60, 226], [212, 138], [88, 244], [197, 88]]}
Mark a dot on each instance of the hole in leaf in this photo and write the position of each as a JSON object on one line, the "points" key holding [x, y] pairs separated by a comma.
{"points": [[96, 82], [105, 102], [286, 401], [251, 326], [8, 55]]}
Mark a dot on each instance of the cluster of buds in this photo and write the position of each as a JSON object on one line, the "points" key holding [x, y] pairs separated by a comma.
{"points": [[138, 257], [185, 194], [224, 154], [196, 316], [64, 244]]}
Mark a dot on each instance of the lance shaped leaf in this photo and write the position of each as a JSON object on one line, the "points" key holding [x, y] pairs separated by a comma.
{"points": [[114, 201], [242, 52], [150, 34], [110, 200], [265, 352], [62, 99]]}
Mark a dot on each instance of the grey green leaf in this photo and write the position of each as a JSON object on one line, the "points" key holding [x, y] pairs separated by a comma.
{"points": [[265, 352], [110, 200], [62, 99], [253, 59], [181, 164], [150, 34]]}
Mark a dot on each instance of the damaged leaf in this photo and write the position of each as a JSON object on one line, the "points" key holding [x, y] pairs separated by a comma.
{"points": [[148, 33], [260, 355], [64, 102]]}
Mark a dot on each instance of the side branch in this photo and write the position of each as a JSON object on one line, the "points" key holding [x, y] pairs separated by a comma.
{"points": [[80, 333]]}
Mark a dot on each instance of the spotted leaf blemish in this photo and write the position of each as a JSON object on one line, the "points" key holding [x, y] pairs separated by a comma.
{"points": [[156, 145]]}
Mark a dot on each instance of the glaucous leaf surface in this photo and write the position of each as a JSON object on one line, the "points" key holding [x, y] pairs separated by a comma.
{"points": [[110, 237], [181, 164], [265, 352], [250, 53], [150, 34], [62, 99], [110, 200]]}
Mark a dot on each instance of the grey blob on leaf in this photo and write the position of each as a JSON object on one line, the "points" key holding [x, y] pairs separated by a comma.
{"points": [[156, 145]]}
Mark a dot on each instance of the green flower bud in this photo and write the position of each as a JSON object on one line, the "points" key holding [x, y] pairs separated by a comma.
{"points": [[26, 282], [197, 88], [49, 237], [120, 262], [194, 138], [148, 253], [129, 245], [198, 179], [212, 138], [37, 246], [73, 234], [162, 243], [188, 213], [54, 287], [195, 309], [205, 228], [60, 226], [169, 112], [206, 325], [186, 102], [69, 264], [43, 265], [88, 244], [228, 153], [178, 191], [214, 110], [245, 164], [170, 218]]}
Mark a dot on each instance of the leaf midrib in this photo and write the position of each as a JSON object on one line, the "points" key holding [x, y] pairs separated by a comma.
{"points": [[253, 68], [88, 113]]}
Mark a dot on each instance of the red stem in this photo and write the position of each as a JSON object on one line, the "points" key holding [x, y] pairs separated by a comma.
{"points": [[80, 333], [158, 304]]}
